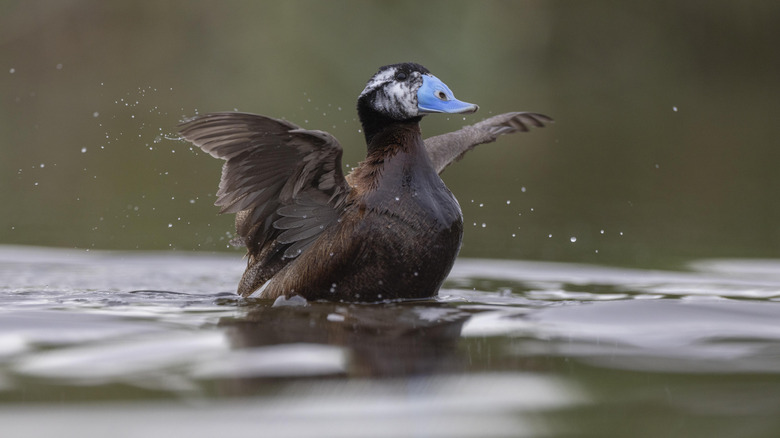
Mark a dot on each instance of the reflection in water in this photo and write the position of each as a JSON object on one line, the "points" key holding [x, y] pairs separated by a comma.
{"points": [[414, 338]]}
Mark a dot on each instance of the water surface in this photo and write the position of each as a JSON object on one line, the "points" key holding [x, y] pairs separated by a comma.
{"points": [[160, 342]]}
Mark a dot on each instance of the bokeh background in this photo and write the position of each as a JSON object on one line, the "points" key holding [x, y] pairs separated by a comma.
{"points": [[666, 144]]}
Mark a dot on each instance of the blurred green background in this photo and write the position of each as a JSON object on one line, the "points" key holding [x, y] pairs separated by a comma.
{"points": [[665, 145]]}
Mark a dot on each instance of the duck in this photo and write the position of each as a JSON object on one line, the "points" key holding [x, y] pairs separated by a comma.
{"points": [[389, 230]]}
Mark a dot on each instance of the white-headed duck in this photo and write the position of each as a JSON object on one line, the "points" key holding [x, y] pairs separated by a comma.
{"points": [[390, 229]]}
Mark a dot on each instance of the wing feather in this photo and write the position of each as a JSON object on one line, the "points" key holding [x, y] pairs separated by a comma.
{"points": [[447, 148], [284, 183]]}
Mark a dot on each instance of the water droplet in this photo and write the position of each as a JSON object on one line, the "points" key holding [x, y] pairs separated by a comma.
{"points": [[674, 108], [602, 231], [508, 202], [12, 70], [397, 198], [481, 205], [522, 189], [484, 225], [170, 225], [549, 236], [572, 239], [59, 66], [83, 150]]}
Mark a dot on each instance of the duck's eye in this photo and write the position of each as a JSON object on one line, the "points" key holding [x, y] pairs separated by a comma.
{"points": [[401, 76], [441, 95]]}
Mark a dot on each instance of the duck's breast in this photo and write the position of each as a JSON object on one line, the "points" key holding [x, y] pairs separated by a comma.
{"points": [[412, 226]]}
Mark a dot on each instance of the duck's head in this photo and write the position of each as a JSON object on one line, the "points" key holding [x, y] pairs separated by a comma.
{"points": [[407, 91]]}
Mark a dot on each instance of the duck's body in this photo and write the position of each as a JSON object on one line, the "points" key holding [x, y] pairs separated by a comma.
{"points": [[397, 237], [390, 229]]}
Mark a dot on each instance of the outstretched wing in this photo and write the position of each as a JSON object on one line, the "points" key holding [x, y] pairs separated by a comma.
{"points": [[447, 148], [284, 183]]}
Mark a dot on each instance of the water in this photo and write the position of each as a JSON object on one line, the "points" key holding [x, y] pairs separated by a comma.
{"points": [[142, 344]]}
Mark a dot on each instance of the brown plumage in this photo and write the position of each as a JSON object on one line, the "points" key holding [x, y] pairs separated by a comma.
{"points": [[390, 229]]}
